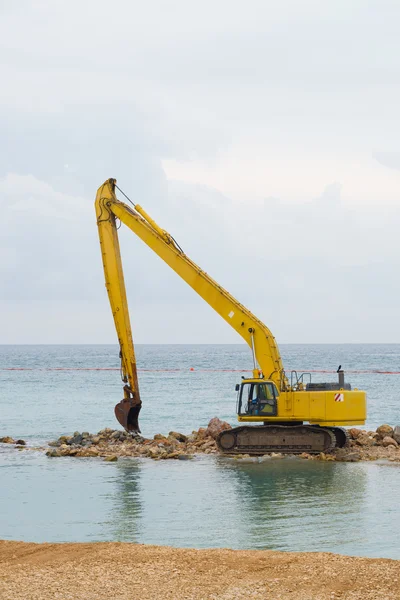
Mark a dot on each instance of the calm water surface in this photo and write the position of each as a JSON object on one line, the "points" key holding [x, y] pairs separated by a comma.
{"points": [[285, 504]]}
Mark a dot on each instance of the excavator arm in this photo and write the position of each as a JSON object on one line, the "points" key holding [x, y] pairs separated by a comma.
{"points": [[127, 411], [260, 339]]}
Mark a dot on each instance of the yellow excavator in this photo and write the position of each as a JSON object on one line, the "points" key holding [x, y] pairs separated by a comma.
{"points": [[297, 415]]}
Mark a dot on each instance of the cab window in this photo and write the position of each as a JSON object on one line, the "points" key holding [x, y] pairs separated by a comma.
{"points": [[258, 399]]}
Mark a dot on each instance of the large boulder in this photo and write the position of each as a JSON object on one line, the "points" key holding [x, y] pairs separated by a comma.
{"points": [[355, 433], [181, 437], [53, 453], [76, 439], [384, 431], [215, 427], [389, 441], [343, 455], [396, 434], [364, 440], [7, 440], [201, 433]]}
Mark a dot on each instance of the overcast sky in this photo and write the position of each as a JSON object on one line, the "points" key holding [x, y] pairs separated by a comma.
{"points": [[263, 135]]}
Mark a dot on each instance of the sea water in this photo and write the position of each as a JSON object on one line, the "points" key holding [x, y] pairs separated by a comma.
{"points": [[211, 501]]}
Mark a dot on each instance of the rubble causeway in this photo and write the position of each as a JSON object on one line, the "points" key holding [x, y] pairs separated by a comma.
{"points": [[110, 445]]}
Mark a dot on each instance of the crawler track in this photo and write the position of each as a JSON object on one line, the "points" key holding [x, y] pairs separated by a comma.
{"points": [[292, 439]]}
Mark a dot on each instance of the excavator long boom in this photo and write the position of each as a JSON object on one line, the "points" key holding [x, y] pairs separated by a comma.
{"points": [[253, 331], [127, 411]]}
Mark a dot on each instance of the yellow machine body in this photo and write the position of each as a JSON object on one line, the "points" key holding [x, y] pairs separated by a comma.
{"points": [[328, 408]]}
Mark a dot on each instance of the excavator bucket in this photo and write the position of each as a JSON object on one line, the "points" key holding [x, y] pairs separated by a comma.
{"points": [[127, 414]]}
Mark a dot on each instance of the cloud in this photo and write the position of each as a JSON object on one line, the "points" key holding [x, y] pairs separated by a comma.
{"points": [[293, 268], [248, 131], [388, 159]]}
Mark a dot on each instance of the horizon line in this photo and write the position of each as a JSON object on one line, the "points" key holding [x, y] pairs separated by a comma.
{"points": [[199, 344]]}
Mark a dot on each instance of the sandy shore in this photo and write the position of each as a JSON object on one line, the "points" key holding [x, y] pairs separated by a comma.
{"points": [[129, 571]]}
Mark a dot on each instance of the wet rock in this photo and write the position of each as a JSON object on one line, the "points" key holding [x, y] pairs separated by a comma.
{"points": [[215, 427], [7, 440], [178, 446], [201, 433], [106, 432], [208, 444], [353, 457], [153, 451], [354, 433], [90, 452], [64, 439], [396, 434], [173, 455], [53, 453], [112, 458], [178, 436], [348, 457], [73, 452], [276, 455], [326, 457], [76, 440], [385, 431], [173, 441], [163, 442], [86, 442], [21, 443], [389, 441], [364, 440]]}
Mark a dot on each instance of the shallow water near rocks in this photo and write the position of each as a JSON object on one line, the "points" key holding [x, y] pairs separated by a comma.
{"points": [[288, 504]]}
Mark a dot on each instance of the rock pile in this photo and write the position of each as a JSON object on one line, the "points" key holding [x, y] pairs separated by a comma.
{"points": [[112, 444], [9, 440], [373, 445], [382, 444]]}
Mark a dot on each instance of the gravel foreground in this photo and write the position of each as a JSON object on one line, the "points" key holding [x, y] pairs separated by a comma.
{"points": [[99, 571]]}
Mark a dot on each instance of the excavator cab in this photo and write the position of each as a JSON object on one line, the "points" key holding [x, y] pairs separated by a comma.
{"points": [[257, 398]]}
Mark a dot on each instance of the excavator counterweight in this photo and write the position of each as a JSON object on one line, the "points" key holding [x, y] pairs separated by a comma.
{"points": [[297, 415]]}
